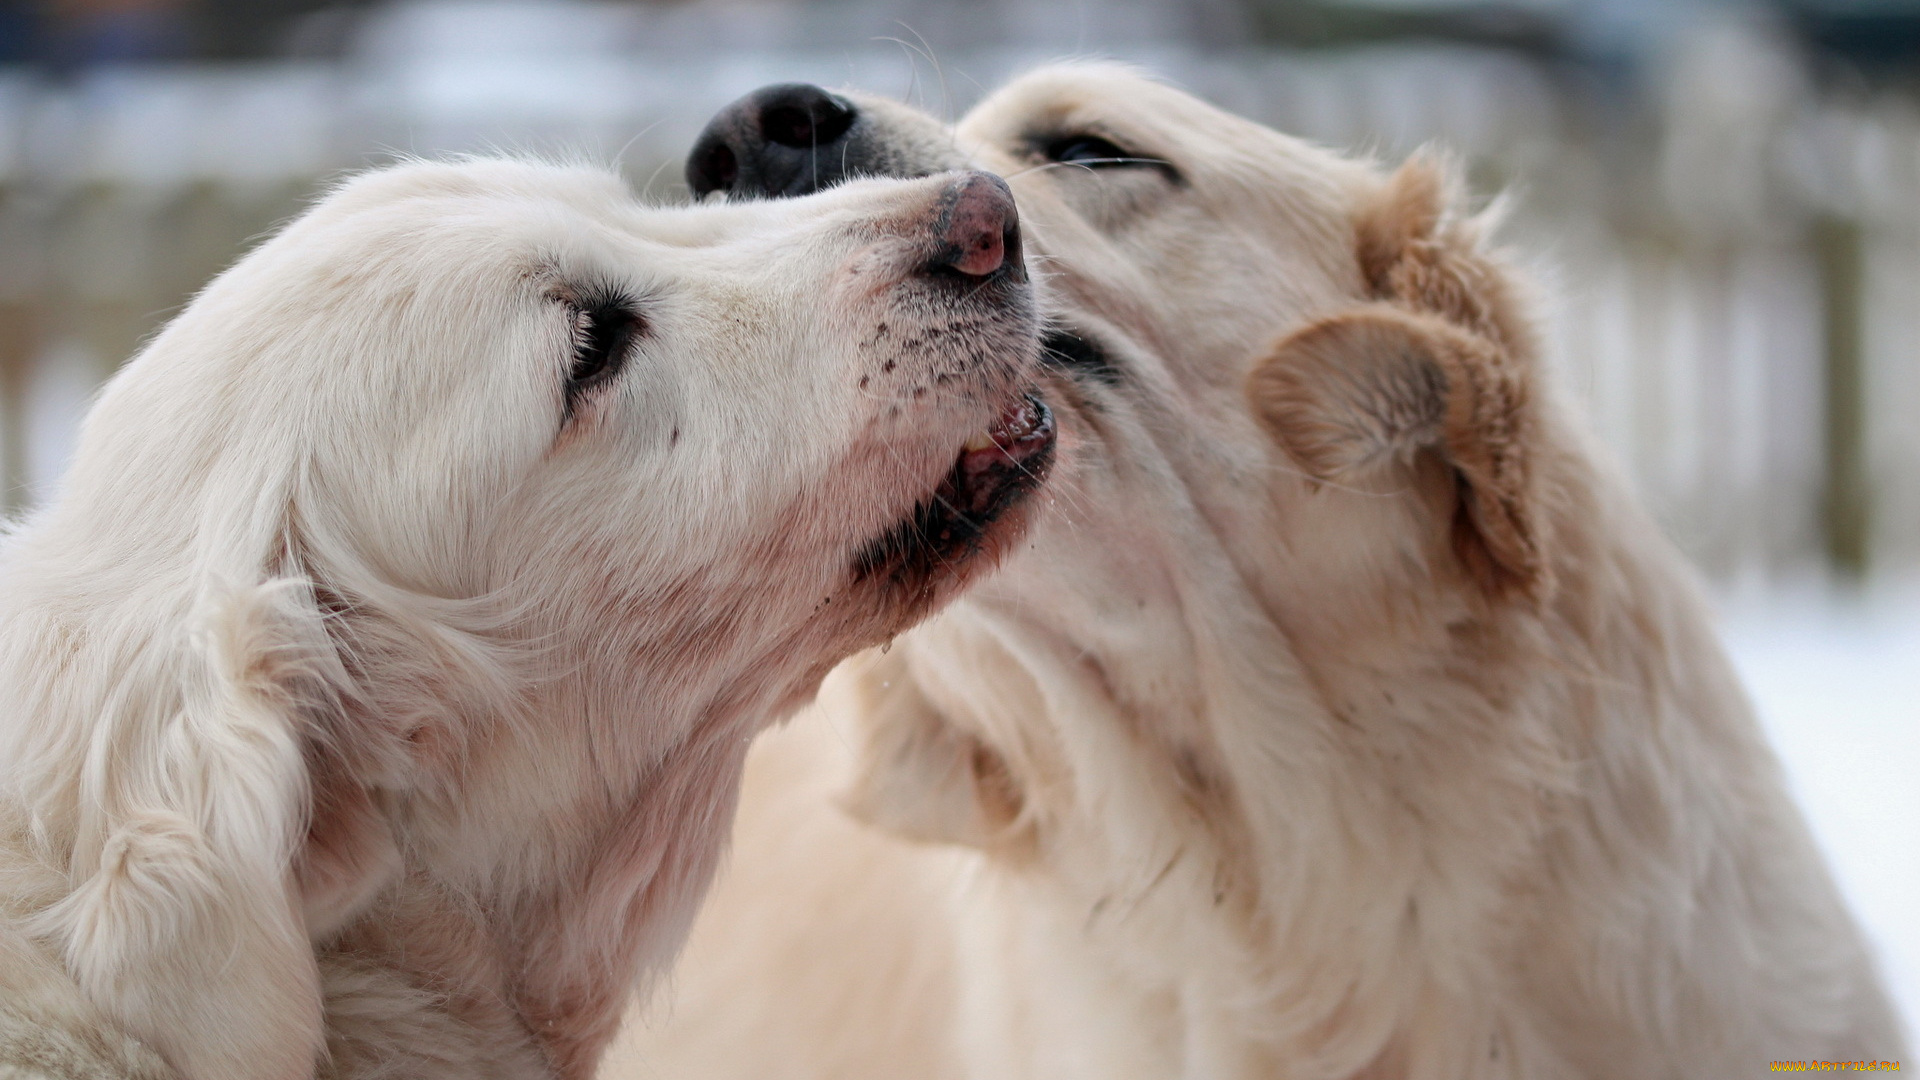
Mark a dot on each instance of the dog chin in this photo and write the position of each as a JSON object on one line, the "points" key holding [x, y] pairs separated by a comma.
{"points": [[975, 513]]}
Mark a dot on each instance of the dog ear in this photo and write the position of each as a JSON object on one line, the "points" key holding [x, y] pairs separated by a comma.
{"points": [[1439, 361], [919, 775], [186, 924]]}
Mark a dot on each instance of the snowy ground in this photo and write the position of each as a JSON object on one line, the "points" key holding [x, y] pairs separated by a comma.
{"points": [[1838, 688]]}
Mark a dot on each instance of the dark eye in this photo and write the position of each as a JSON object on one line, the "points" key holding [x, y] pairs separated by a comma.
{"points": [[603, 334], [1089, 150], [1094, 152]]}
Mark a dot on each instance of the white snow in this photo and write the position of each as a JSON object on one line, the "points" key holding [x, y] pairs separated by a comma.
{"points": [[1837, 685]]}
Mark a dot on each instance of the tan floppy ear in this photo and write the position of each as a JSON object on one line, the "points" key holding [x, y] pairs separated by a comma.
{"points": [[922, 777], [1440, 362]]}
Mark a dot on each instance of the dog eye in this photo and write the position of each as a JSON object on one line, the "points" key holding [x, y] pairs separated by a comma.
{"points": [[603, 335], [1087, 150], [1094, 152]]}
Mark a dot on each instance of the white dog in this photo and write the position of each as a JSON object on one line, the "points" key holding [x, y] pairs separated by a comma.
{"points": [[1347, 720], [374, 692]]}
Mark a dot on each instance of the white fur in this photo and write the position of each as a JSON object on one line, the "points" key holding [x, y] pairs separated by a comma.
{"points": [[364, 708], [1261, 762]]}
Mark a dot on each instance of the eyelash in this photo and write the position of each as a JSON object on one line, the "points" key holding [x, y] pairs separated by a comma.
{"points": [[1099, 152], [604, 331]]}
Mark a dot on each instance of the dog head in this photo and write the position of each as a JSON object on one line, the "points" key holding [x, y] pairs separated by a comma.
{"points": [[1299, 417], [461, 515]]}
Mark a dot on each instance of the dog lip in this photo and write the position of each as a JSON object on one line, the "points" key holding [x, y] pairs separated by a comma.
{"points": [[958, 520], [1023, 429], [985, 481]]}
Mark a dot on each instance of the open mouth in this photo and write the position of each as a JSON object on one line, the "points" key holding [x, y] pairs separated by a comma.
{"points": [[993, 472]]}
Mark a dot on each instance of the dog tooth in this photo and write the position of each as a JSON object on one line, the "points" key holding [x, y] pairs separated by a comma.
{"points": [[980, 441]]}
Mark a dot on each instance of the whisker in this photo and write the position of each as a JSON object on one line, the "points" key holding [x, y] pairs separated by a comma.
{"points": [[637, 136], [1089, 164], [662, 167]]}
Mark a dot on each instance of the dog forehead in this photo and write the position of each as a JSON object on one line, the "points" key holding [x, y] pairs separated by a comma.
{"points": [[1249, 200], [477, 179], [493, 232], [1151, 118], [1057, 93], [423, 227]]}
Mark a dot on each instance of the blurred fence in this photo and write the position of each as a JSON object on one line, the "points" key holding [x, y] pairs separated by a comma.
{"points": [[1735, 255]]}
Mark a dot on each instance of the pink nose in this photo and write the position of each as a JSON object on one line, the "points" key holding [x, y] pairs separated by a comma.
{"points": [[981, 226]]}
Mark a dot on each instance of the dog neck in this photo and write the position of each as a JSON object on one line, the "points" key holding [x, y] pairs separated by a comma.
{"points": [[538, 969], [531, 911], [1248, 794]]}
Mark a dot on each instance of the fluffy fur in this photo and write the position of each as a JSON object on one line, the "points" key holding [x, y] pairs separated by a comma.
{"points": [[374, 691], [1345, 718]]}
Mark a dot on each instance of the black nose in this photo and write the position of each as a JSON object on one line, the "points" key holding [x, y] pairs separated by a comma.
{"points": [[779, 140]]}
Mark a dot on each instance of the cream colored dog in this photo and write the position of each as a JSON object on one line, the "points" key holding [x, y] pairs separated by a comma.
{"points": [[1346, 718], [374, 692]]}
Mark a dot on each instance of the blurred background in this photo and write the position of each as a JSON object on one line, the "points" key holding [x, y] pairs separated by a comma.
{"points": [[1725, 195]]}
